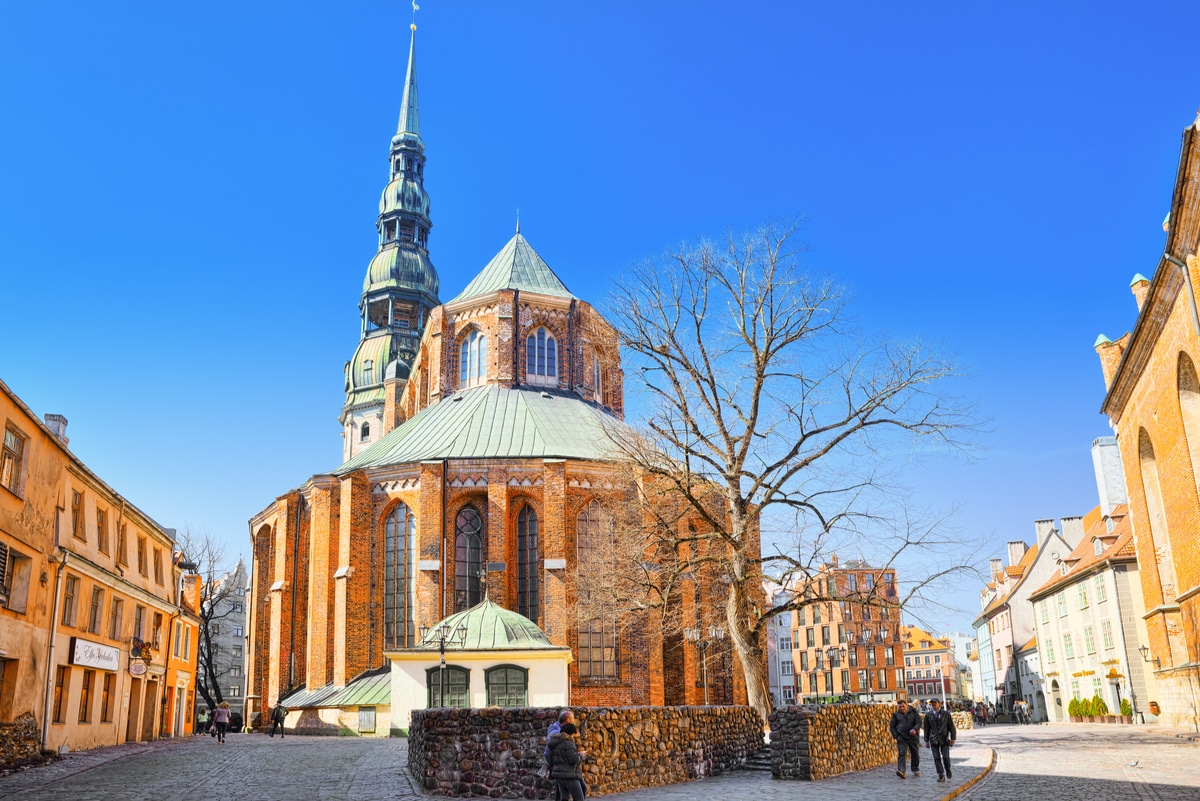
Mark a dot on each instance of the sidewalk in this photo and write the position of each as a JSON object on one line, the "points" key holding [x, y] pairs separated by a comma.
{"points": [[75, 762], [969, 760]]}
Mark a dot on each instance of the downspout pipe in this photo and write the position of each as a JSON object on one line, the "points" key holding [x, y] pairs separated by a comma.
{"points": [[445, 480], [295, 574], [1187, 280], [58, 510], [571, 347]]}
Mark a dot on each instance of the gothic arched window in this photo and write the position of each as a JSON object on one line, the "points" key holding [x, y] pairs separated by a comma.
{"points": [[597, 377], [527, 561], [595, 548], [399, 578], [468, 558], [541, 358], [1189, 410], [472, 359], [1155, 507]]}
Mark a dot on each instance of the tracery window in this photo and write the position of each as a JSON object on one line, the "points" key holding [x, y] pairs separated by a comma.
{"points": [[595, 543], [399, 578], [541, 358], [468, 558], [472, 359], [527, 561]]}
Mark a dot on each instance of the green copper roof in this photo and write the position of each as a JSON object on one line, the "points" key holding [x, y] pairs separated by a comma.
{"points": [[373, 688], [396, 267], [493, 422], [516, 266], [489, 628], [1138, 278], [1101, 340], [410, 116]]}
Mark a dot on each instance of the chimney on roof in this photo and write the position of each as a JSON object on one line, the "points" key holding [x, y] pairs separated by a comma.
{"points": [[995, 567], [833, 558], [58, 427], [1045, 529], [1110, 476], [1072, 528], [1110, 355], [1016, 549]]}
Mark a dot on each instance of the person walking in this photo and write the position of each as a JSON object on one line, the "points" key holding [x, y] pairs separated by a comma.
{"points": [[278, 716], [221, 721], [565, 759], [940, 734], [905, 727], [202, 722], [565, 716]]}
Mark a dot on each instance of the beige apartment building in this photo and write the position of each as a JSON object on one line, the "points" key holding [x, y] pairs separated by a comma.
{"points": [[89, 599], [930, 666]]}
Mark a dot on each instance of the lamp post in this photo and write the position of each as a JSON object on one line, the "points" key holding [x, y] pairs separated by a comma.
{"points": [[443, 634], [696, 636], [1145, 652]]}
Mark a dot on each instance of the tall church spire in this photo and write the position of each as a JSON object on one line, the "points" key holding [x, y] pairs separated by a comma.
{"points": [[410, 115], [401, 285]]}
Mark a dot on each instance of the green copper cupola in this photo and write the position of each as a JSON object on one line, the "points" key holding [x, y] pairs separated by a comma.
{"points": [[401, 285]]}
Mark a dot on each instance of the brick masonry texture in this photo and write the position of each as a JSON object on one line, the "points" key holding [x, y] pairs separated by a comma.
{"points": [[815, 742], [496, 753]]}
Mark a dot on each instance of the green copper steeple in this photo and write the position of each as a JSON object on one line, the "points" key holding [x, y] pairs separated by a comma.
{"points": [[401, 285]]}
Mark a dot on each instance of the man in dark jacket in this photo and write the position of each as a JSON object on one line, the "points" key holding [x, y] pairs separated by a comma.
{"points": [[564, 763], [940, 735], [566, 716], [278, 716], [906, 728]]}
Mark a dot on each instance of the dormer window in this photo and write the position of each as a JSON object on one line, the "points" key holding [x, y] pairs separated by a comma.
{"points": [[541, 358], [364, 433], [1109, 523], [368, 372], [472, 359], [1098, 545]]}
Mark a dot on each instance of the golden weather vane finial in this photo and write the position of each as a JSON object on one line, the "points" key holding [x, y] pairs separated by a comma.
{"points": [[416, 8]]}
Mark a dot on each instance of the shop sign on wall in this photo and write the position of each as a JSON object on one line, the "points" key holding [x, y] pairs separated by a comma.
{"points": [[93, 654]]}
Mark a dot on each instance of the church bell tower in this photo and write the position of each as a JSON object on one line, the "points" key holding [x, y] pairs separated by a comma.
{"points": [[401, 285]]}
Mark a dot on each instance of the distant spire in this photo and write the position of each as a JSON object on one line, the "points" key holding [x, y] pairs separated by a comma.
{"points": [[518, 219], [410, 117]]}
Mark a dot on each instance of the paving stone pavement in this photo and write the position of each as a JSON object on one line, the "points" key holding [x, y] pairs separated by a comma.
{"points": [[1072, 763], [1084, 762]]}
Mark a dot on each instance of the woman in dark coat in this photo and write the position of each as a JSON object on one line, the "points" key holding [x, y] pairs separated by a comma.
{"points": [[564, 763]]}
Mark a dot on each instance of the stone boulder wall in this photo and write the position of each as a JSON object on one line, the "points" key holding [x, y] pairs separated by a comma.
{"points": [[496, 753], [816, 742], [20, 742], [963, 720]]}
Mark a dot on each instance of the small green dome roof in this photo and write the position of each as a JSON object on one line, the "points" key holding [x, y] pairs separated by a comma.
{"points": [[402, 268], [490, 628], [1139, 278], [366, 372], [1101, 340], [404, 194]]}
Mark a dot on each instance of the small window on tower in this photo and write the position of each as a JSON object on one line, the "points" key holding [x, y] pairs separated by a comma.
{"points": [[365, 433], [389, 231], [398, 165], [368, 372]]}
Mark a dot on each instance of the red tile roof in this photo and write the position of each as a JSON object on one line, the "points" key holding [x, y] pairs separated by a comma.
{"points": [[1118, 544]]}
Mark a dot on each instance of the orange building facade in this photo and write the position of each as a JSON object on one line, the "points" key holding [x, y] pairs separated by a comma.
{"points": [[1153, 404], [852, 646], [88, 596]]}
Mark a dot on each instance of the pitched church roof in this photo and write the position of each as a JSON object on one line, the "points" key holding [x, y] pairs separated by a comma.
{"points": [[491, 422], [516, 266]]}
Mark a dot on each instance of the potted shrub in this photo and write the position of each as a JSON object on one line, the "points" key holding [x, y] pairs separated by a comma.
{"points": [[1100, 709], [1126, 711], [1074, 711], [1085, 709]]}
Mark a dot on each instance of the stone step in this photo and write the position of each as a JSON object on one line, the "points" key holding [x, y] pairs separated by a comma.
{"points": [[759, 760]]}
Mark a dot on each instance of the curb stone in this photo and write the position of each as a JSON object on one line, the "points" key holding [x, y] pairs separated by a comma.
{"points": [[987, 769]]}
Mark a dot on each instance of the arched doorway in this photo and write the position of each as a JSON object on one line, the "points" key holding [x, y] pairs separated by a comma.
{"points": [[1059, 714], [1039, 701]]}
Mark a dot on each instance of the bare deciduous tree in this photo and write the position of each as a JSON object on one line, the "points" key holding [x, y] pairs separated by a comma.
{"points": [[217, 598], [771, 417]]}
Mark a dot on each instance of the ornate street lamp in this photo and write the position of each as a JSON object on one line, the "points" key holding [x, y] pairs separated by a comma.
{"points": [[695, 635], [444, 635]]}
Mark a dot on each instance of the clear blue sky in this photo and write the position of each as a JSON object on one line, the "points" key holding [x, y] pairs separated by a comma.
{"points": [[189, 194]]}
